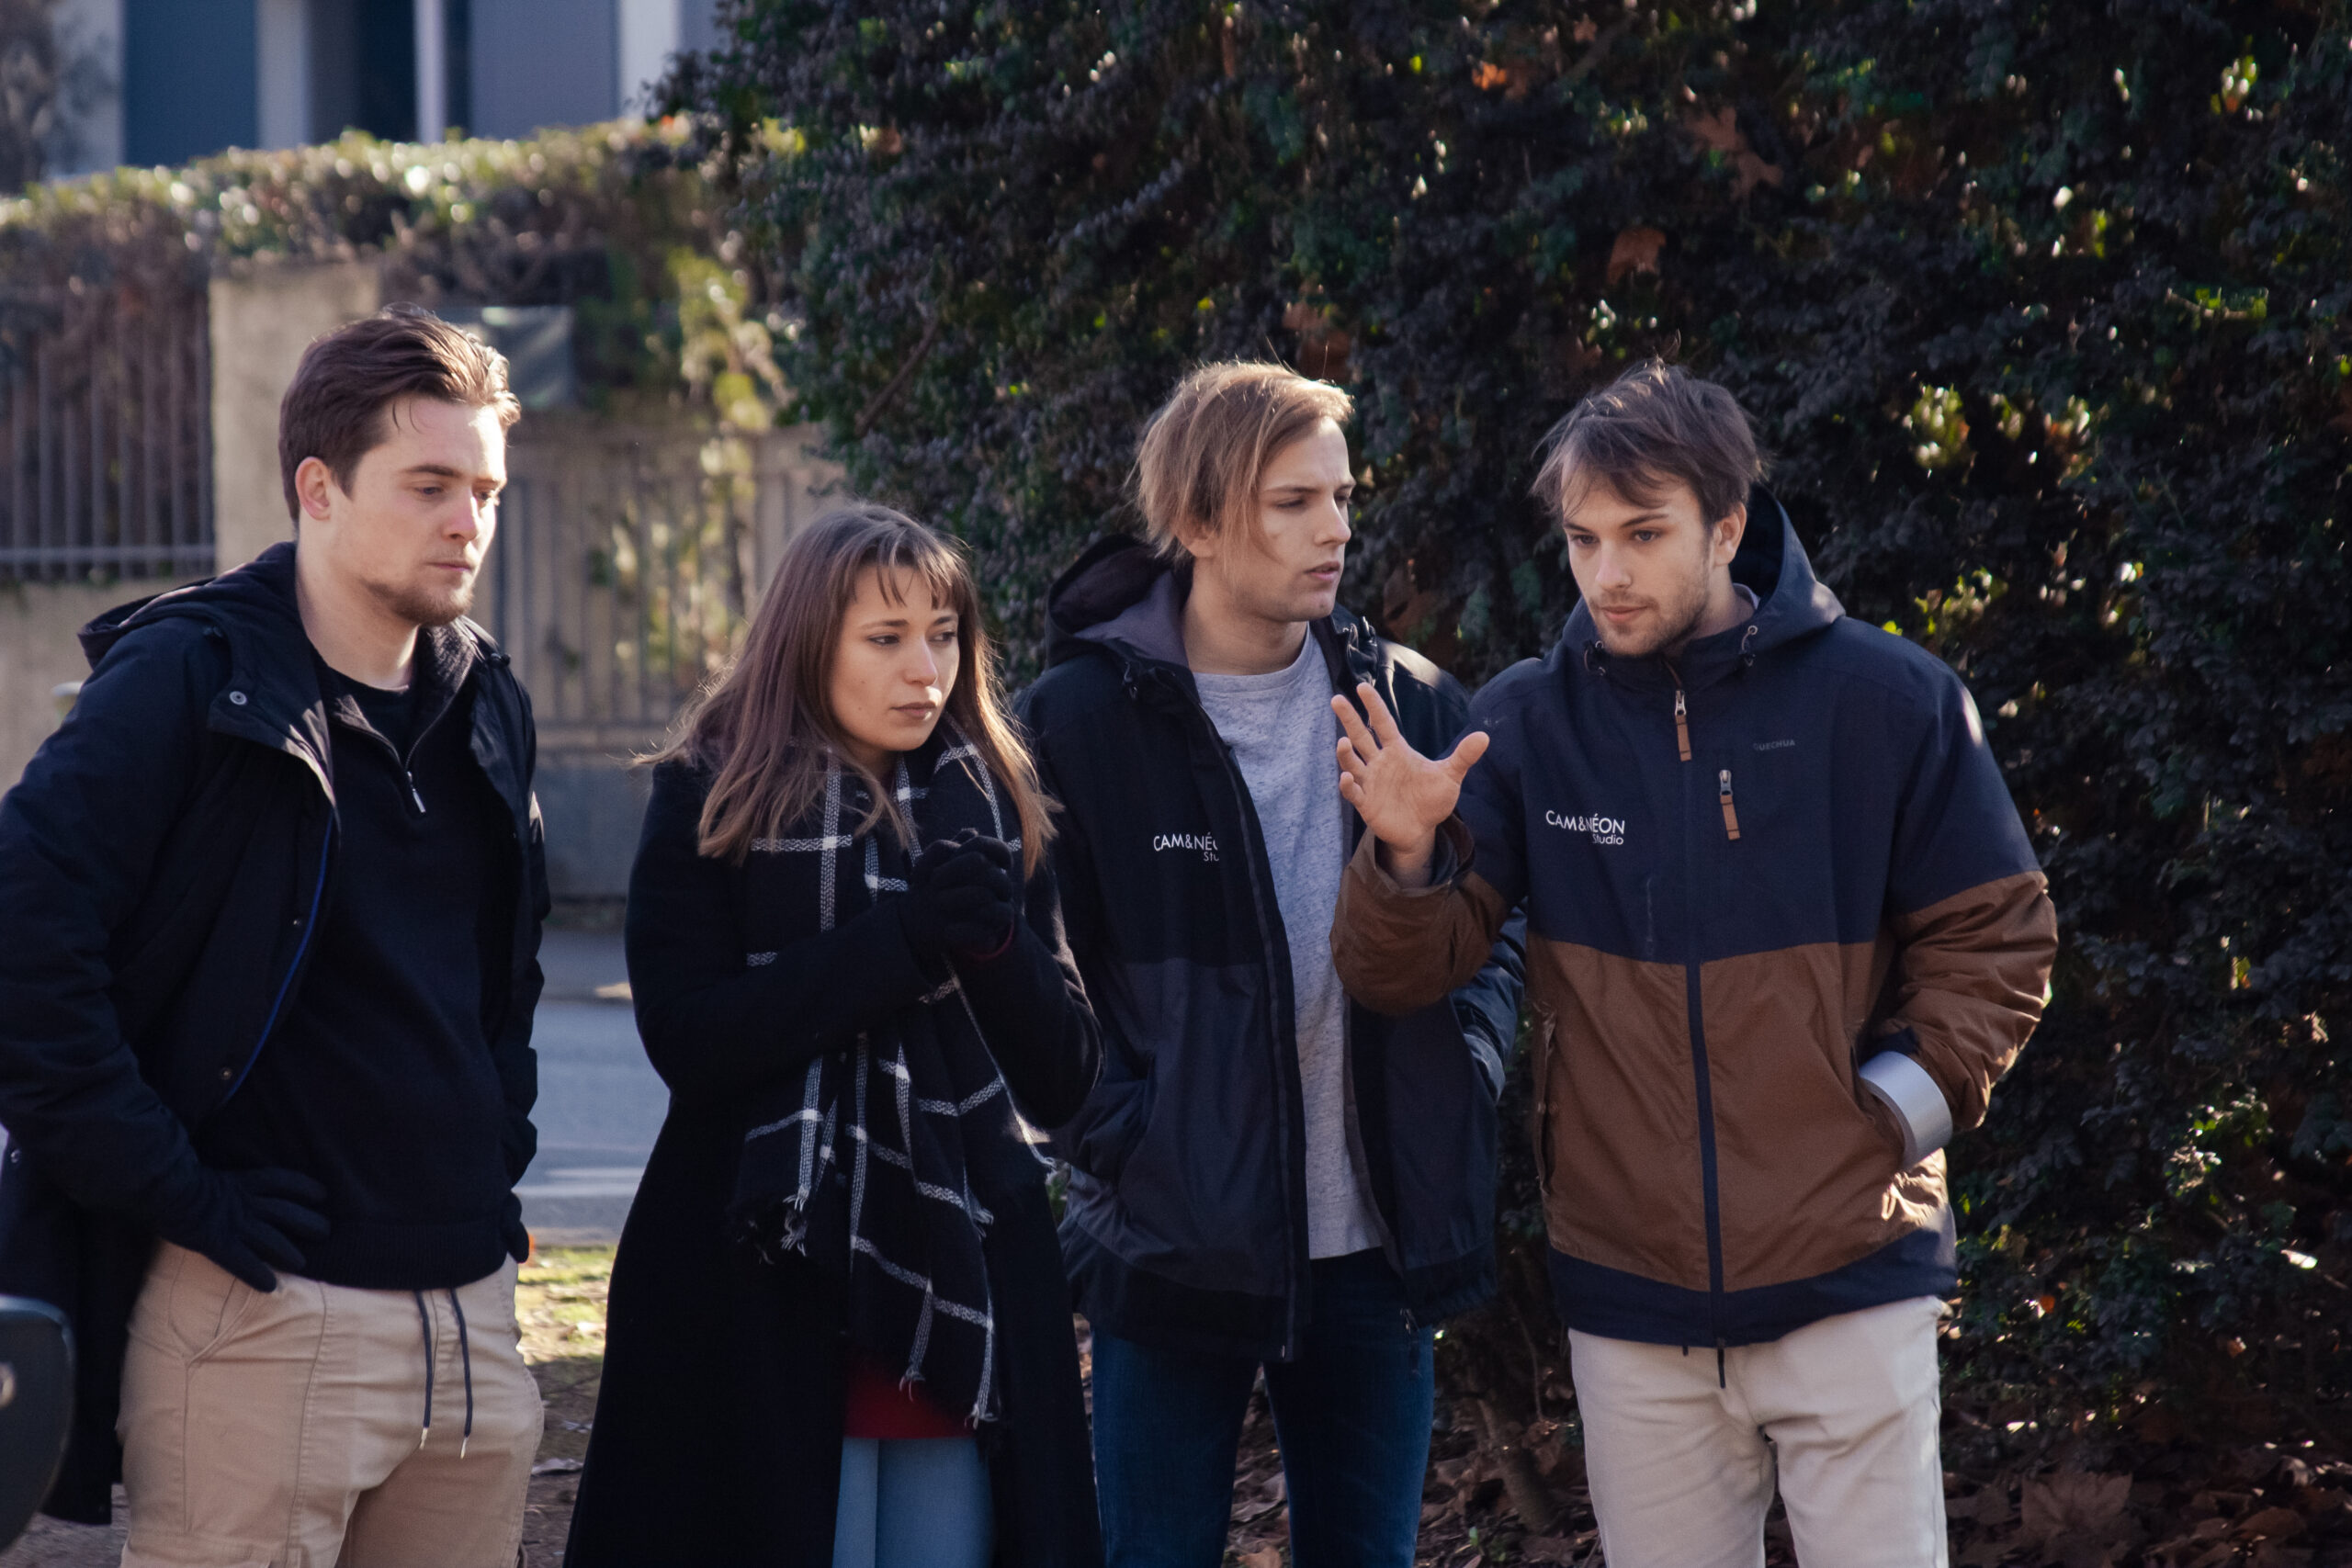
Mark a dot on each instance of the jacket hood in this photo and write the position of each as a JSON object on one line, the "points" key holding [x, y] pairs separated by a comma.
{"points": [[1119, 592], [1791, 602], [258, 597], [272, 696], [1123, 597]]}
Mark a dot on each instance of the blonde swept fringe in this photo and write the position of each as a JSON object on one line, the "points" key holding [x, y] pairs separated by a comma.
{"points": [[1205, 450]]}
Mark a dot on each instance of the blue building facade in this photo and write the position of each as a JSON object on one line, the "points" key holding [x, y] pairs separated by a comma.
{"points": [[194, 77]]}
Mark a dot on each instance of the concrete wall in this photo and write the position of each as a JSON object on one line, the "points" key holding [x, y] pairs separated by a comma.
{"points": [[38, 653], [264, 316]]}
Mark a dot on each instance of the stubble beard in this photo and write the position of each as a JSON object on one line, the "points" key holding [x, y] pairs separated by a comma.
{"points": [[422, 607], [1679, 621]]}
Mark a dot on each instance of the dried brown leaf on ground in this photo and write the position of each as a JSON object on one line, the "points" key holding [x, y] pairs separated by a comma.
{"points": [[2077, 1517], [2072, 1501], [2272, 1524]]}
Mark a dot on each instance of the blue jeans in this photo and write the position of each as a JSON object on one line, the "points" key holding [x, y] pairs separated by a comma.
{"points": [[1351, 1414], [913, 1502]]}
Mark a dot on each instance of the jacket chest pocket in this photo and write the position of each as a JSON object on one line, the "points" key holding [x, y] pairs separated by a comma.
{"points": [[1771, 789], [1766, 826]]}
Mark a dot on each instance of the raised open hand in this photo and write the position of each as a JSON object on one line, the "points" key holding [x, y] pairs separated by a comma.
{"points": [[1402, 795]]}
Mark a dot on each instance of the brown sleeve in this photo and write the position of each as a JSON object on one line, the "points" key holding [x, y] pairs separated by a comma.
{"points": [[1399, 950], [1973, 974]]}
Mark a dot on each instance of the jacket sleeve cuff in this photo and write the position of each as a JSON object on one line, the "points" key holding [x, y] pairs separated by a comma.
{"points": [[1447, 865], [1896, 1080]]}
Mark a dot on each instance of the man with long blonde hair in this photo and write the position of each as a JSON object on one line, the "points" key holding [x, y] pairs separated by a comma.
{"points": [[1268, 1175]]}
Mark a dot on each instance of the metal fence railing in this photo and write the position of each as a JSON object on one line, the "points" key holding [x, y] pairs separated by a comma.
{"points": [[617, 581], [106, 432], [627, 565]]}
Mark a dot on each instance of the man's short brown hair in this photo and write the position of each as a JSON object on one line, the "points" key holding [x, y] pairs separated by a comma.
{"points": [[1655, 425], [1207, 447], [348, 380]]}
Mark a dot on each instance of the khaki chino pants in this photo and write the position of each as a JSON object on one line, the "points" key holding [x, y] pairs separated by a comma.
{"points": [[1843, 1414], [283, 1430]]}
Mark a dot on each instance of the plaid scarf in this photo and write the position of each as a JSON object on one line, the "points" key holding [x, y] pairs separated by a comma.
{"points": [[865, 1164]]}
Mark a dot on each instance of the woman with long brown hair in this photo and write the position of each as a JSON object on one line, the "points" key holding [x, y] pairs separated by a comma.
{"points": [[839, 1328]]}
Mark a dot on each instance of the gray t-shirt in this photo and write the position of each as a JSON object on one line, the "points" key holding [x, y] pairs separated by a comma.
{"points": [[1285, 740]]}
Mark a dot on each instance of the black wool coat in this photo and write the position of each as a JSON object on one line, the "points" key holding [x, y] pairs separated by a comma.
{"points": [[717, 1435]]}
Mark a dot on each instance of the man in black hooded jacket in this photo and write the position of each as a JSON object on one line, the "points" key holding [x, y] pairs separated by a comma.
{"points": [[272, 897], [1267, 1175]]}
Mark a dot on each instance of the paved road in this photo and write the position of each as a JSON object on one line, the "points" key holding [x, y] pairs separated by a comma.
{"points": [[600, 1103]]}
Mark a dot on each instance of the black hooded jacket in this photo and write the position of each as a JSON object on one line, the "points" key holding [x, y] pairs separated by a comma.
{"points": [[1186, 1220], [163, 866]]}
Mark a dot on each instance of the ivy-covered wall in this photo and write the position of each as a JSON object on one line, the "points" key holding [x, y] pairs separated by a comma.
{"points": [[2041, 305]]}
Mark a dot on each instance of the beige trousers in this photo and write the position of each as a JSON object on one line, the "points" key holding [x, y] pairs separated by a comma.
{"points": [[283, 1430], [1843, 1414]]}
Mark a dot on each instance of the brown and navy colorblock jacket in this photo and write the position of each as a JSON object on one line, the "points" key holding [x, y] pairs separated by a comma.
{"points": [[1786, 932]]}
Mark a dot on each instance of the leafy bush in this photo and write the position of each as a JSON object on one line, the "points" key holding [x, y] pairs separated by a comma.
{"points": [[2042, 307], [615, 221]]}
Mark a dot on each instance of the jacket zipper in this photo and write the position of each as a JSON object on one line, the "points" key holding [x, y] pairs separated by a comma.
{"points": [[1294, 1204], [415, 744], [1723, 795], [408, 773], [1701, 1078], [1392, 1241]]}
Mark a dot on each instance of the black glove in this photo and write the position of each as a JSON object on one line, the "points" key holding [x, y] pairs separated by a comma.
{"points": [[960, 897], [252, 1223]]}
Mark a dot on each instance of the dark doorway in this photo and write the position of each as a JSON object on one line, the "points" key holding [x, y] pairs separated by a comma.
{"points": [[362, 68], [386, 97]]}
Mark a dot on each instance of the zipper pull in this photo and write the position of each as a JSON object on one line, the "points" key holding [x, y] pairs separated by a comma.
{"points": [[1723, 794], [1682, 723], [419, 798]]}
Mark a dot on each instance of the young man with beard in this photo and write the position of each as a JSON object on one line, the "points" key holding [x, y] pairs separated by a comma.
{"points": [[1268, 1175], [273, 896], [1786, 934]]}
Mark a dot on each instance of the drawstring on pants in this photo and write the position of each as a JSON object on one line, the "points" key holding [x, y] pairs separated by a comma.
{"points": [[1721, 1380], [465, 1361], [465, 1364]]}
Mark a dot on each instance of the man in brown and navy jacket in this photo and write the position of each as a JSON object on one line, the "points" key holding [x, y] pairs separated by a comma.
{"points": [[1785, 932]]}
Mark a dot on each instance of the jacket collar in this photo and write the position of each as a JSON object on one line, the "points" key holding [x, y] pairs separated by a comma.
{"points": [[1791, 604], [1121, 598], [272, 696]]}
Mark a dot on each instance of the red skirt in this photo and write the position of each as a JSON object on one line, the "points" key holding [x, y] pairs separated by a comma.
{"points": [[878, 1407]]}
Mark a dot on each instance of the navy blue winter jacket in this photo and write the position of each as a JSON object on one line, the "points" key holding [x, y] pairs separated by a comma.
{"points": [[1186, 1223]]}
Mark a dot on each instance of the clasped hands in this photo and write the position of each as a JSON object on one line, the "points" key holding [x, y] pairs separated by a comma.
{"points": [[961, 896], [1403, 796]]}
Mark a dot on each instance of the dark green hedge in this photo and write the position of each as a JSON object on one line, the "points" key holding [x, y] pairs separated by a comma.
{"points": [[2042, 306]]}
